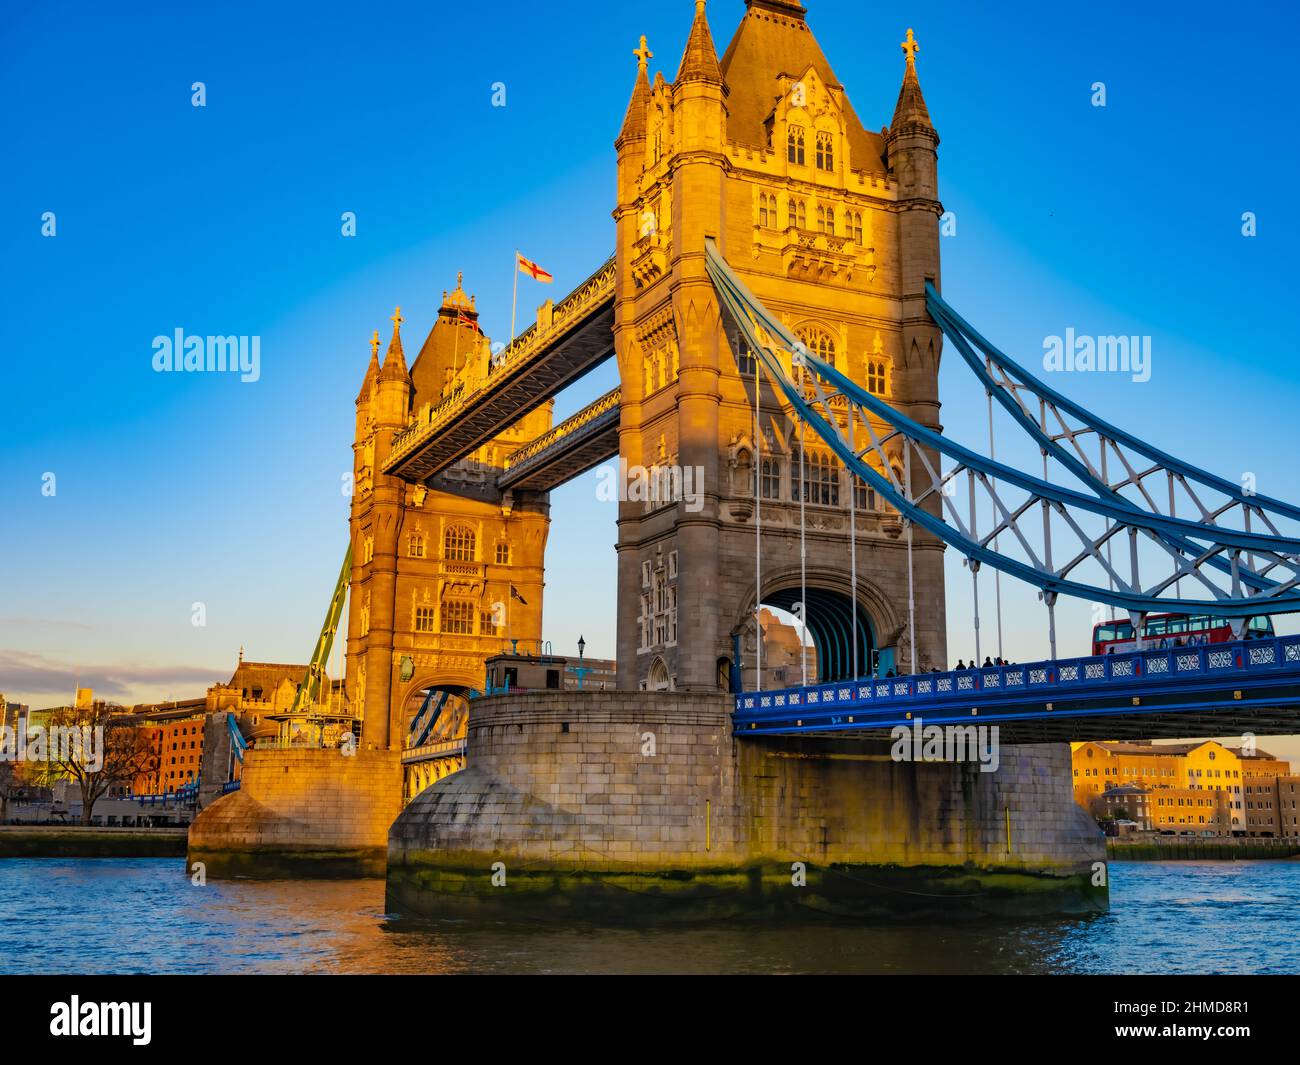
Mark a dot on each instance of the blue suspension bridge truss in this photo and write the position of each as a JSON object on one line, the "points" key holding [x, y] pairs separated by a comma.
{"points": [[1102, 524]]}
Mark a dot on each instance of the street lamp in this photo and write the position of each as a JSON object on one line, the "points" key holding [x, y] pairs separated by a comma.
{"points": [[582, 673]]}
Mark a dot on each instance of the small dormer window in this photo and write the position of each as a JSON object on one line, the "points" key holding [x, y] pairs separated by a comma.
{"points": [[794, 151], [825, 151]]}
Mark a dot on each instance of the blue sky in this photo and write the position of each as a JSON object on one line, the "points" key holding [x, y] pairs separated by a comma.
{"points": [[179, 489]]}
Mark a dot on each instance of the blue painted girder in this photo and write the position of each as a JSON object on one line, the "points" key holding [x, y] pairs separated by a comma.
{"points": [[1262, 674], [750, 316]]}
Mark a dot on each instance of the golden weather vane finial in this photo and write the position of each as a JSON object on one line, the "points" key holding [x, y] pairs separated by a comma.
{"points": [[910, 46], [374, 343], [397, 318], [643, 53]]}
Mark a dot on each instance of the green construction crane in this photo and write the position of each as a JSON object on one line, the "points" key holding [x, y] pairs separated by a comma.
{"points": [[309, 690]]}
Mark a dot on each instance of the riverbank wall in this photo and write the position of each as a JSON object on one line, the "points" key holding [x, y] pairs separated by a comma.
{"points": [[1175, 850], [75, 841]]}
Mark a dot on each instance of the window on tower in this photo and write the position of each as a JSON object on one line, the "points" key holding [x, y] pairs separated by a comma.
{"points": [[458, 544], [798, 213], [458, 616], [817, 478], [424, 619], [864, 496], [503, 554], [818, 343], [875, 377], [794, 145], [415, 548], [746, 363], [854, 221], [825, 151]]}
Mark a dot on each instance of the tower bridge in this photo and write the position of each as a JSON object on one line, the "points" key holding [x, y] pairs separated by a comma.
{"points": [[773, 306]]}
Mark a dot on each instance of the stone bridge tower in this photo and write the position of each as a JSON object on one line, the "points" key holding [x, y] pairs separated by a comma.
{"points": [[444, 575], [836, 229]]}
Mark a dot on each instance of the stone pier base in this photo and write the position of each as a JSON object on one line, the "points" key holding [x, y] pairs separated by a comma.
{"points": [[635, 805], [302, 813]]}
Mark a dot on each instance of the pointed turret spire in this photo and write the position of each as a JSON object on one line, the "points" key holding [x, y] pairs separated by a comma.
{"points": [[911, 109], [372, 371], [395, 361], [700, 62], [634, 122]]}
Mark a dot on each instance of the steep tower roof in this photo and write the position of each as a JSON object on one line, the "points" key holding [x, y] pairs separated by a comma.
{"points": [[911, 109], [395, 361], [372, 371], [634, 122], [774, 39], [700, 60]]}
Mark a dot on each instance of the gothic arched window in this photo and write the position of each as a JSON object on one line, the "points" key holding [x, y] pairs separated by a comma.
{"points": [[458, 616], [794, 145], [770, 478], [825, 151], [826, 220], [458, 545], [817, 478], [415, 547], [875, 377], [854, 222], [818, 343]]}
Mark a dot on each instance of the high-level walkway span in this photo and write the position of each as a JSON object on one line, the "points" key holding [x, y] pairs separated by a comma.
{"points": [[568, 341]]}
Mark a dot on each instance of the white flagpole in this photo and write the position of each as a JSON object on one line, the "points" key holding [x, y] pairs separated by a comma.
{"points": [[514, 299]]}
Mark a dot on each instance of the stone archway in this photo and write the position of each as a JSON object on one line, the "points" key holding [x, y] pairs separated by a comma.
{"points": [[830, 617], [659, 679], [452, 721]]}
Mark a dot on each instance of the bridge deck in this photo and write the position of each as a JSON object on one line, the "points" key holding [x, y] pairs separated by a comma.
{"points": [[575, 337], [571, 448], [1208, 690]]}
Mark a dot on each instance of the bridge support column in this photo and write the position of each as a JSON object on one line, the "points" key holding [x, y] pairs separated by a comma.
{"points": [[311, 812], [645, 806]]}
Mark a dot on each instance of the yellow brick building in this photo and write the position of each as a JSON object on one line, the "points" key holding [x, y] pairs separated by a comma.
{"points": [[1202, 787]]}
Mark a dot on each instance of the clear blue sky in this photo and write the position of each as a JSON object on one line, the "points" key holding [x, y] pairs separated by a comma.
{"points": [[176, 489]]}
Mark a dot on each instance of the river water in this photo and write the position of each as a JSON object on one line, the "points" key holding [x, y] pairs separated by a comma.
{"points": [[144, 915]]}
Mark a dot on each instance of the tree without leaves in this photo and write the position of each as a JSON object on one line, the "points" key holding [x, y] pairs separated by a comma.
{"points": [[125, 749]]}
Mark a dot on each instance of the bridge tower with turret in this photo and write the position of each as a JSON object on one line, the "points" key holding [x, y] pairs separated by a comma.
{"points": [[836, 229], [444, 574]]}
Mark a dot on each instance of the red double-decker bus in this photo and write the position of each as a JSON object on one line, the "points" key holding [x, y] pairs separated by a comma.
{"points": [[1172, 630]]}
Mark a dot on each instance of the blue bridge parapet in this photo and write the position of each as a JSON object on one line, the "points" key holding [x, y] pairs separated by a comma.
{"points": [[1220, 686]]}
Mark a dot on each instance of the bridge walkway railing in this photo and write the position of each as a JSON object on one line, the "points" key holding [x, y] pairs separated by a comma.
{"points": [[876, 702]]}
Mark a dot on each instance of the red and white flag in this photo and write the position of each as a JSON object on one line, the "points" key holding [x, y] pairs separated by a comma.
{"points": [[527, 266]]}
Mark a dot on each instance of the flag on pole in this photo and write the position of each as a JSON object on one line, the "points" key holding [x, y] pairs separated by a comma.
{"points": [[463, 319], [514, 594], [527, 266]]}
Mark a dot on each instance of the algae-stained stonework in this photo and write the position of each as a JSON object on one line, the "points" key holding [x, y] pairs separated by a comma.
{"points": [[622, 805], [835, 228]]}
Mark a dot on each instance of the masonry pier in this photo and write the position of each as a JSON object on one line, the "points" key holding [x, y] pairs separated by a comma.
{"points": [[644, 806]]}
